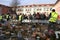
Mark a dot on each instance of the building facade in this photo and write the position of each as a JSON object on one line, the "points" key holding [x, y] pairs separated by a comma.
{"points": [[41, 8], [4, 9], [30, 9]]}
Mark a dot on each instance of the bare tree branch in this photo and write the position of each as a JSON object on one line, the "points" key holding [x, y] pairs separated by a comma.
{"points": [[14, 4]]}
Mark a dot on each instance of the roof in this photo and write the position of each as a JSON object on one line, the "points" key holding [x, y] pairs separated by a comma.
{"points": [[36, 5], [4, 6]]}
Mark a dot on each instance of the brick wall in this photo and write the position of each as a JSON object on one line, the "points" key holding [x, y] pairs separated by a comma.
{"points": [[4, 9]]}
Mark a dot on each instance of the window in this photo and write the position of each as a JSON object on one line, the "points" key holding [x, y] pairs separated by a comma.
{"points": [[44, 9], [50, 9], [20, 9], [47, 9], [37, 9], [28, 9], [35, 5], [39, 5], [30, 5], [40, 9], [26, 6]]}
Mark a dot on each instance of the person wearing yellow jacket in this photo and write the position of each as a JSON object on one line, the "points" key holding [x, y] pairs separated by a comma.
{"points": [[7, 16], [0, 17], [52, 20], [20, 18]]}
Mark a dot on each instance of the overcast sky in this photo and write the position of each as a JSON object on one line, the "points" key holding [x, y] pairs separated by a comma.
{"points": [[28, 2]]}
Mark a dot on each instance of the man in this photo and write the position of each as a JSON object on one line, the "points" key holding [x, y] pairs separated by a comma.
{"points": [[1, 18], [7, 16], [52, 19], [20, 18]]}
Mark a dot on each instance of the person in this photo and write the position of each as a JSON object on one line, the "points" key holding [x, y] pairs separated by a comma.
{"points": [[52, 35], [1, 18], [19, 36], [37, 16], [58, 36], [20, 18], [37, 37], [34, 15], [30, 17], [52, 19], [7, 16], [42, 16]]}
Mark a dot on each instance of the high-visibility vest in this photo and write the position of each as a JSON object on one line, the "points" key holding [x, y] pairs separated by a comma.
{"points": [[7, 16], [0, 17], [53, 17], [20, 17]]}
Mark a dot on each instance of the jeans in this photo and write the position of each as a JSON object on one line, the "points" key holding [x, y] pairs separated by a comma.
{"points": [[20, 38], [52, 26]]}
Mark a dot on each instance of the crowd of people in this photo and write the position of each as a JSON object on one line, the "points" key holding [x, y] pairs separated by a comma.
{"points": [[38, 16], [10, 29], [24, 32]]}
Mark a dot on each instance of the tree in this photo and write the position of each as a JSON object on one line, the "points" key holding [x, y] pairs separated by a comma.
{"points": [[14, 4]]}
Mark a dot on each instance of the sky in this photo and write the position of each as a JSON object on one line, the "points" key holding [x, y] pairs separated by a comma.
{"points": [[28, 2]]}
